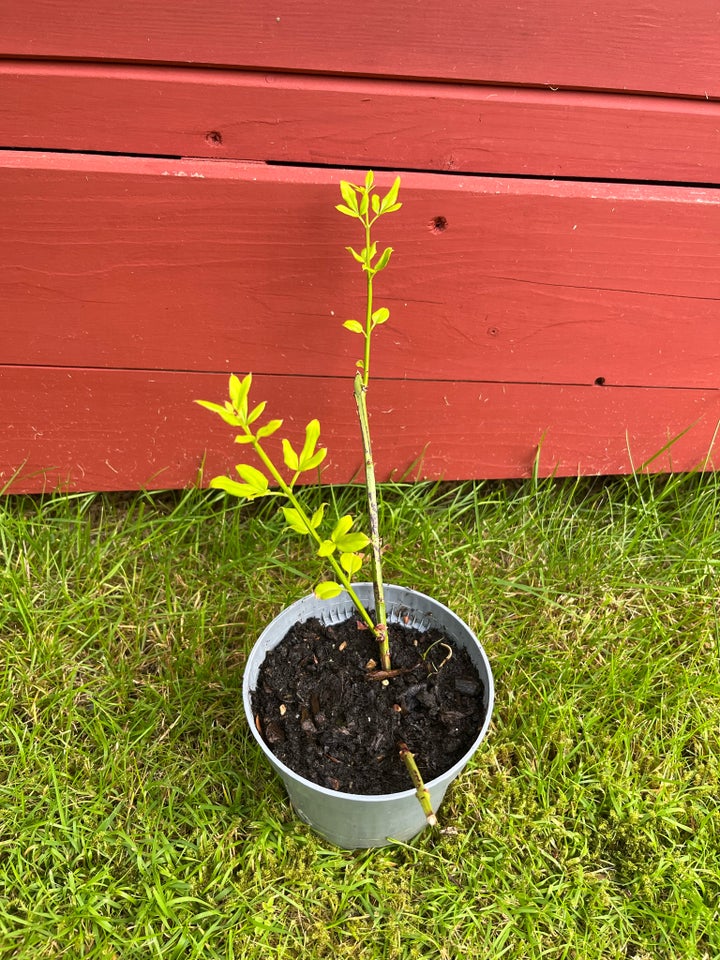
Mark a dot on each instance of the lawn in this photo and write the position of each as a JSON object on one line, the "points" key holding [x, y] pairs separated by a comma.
{"points": [[138, 820]]}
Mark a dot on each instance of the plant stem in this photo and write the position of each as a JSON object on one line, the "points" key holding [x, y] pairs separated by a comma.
{"points": [[369, 274], [362, 380], [381, 631], [421, 791]]}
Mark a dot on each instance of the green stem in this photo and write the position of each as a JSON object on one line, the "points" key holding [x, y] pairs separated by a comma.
{"points": [[362, 380], [288, 493], [376, 559], [369, 274]]}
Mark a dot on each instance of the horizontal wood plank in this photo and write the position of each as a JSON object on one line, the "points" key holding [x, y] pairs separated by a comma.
{"points": [[222, 266], [658, 46], [353, 122], [109, 429]]}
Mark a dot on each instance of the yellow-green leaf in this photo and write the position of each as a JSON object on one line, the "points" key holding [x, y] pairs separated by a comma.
{"points": [[326, 548], [348, 194], [350, 562], [289, 456], [317, 517], [253, 477], [352, 542], [316, 460], [327, 590], [346, 210], [312, 435], [294, 520], [257, 412], [383, 261], [390, 198], [341, 527], [380, 316], [236, 489], [239, 390], [354, 326], [269, 428], [226, 415]]}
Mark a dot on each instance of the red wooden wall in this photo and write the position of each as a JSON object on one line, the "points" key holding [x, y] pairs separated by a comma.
{"points": [[167, 179]]}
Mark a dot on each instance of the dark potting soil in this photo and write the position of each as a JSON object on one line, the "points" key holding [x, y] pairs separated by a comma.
{"points": [[323, 709]]}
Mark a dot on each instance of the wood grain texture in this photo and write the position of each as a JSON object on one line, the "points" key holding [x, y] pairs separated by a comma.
{"points": [[354, 122], [114, 429], [658, 46], [222, 266]]}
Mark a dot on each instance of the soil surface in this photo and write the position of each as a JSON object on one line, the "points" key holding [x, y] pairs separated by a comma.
{"points": [[323, 709]]}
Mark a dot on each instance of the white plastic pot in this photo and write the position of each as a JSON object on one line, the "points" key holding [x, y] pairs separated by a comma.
{"points": [[347, 819]]}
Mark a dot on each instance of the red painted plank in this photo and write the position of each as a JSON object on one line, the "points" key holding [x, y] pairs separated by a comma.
{"points": [[354, 122], [221, 266], [107, 430], [658, 46]]}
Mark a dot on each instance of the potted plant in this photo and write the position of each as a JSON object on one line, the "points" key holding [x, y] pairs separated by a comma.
{"points": [[367, 698]]}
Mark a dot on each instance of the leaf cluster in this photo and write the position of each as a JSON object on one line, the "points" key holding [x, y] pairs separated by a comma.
{"points": [[364, 205], [359, 199], [342, 545]]}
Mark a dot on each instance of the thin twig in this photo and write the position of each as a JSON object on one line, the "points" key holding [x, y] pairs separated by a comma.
{"points": [[421, 791], [389, 674]]}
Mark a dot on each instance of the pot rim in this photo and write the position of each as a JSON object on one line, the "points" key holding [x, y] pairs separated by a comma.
{"points": [[450, 774]]}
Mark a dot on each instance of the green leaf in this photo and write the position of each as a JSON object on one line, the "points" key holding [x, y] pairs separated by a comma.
{"points": [[354, 326], [358, 256], [317, 517], [235, 388], [289, 456], [390, 198], [312, 435], [350, 562], [236, 489], [326, 548], [268, 429], [342, 527], [239, 390], [369, 180], [316, 460], [375, 201], [364, 201], [346, 210], [253, 477], [383, 261], [349, 195], [244, 438], [257, 412], [352, 542], [226, 415], [380, 316], [327, 590], [294, 520]]}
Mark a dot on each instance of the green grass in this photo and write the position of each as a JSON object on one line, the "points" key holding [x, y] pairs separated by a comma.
{"points": [[137, 819]]}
